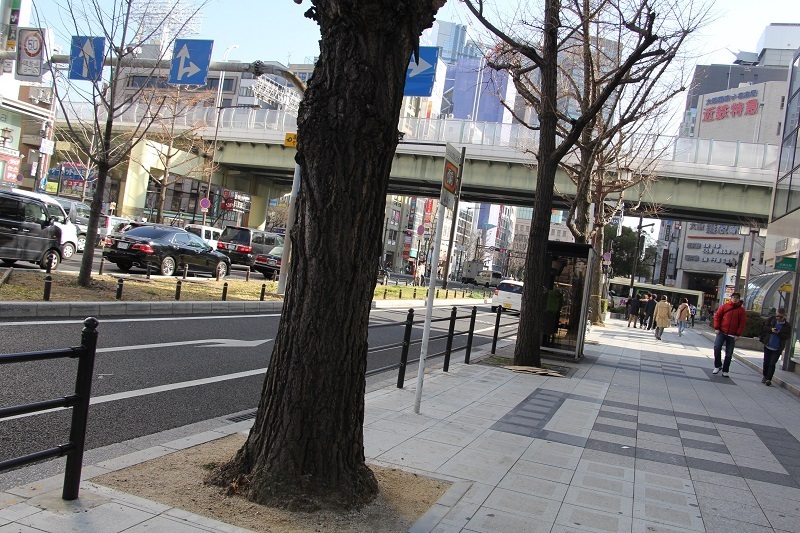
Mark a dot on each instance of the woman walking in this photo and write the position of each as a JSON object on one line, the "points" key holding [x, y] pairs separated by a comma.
{"points": [[774, 335], [683, 316], [661, 316]]}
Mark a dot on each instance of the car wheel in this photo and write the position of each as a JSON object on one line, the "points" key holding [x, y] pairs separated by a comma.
{"points": [[67, 250], [124, 266], [222, 269], [167, 266], [51, 258], [81, 242], [9, 262]]}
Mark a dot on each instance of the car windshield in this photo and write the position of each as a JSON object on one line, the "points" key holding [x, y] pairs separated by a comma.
{"points": [[510, 287], [237, 235], [149, 232], [278, 250], [196, 231], [57, 212]]}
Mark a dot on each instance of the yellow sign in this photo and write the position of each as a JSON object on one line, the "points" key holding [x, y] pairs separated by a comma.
{"points": [[785, 288], [291, 140]]}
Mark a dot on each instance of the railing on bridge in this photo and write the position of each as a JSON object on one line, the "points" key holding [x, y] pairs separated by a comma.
{"points": [[515, 136]]}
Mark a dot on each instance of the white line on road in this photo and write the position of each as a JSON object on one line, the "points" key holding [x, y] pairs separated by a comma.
{"points": [[155, 390], [155, 319], [209, 343]]}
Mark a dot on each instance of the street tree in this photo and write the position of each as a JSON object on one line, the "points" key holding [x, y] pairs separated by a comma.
{"points": [[125, 29], [530, 48], [625, 248], [306, 447], [174, 136]]}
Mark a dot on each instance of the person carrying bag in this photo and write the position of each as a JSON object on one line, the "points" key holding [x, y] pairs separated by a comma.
{"points": [[774, 334]]}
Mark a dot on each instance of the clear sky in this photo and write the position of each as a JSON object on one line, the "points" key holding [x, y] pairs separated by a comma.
{"points": [[275, 30]]}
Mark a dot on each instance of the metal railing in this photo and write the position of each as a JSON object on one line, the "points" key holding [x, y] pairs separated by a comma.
{"points": [[406, 343], [438, 130], [79, 402]]}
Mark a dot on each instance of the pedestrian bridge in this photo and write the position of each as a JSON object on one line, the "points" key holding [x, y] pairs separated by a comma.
{"points": [[697, 179]]}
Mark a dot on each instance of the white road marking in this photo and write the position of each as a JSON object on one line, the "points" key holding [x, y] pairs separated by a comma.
{"points": [[209, 343], [123, 320]]}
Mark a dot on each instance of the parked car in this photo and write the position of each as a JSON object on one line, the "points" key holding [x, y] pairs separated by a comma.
{"points": [[69, 231], [108, 225], [167, 249], [508, 296], [78, 213], [27, 232], [210, 234], [269, 264], [383, 276], [243, 245], [488, 278]]}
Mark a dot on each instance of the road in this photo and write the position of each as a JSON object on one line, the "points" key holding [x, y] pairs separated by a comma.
{"points": [[157, 373]]}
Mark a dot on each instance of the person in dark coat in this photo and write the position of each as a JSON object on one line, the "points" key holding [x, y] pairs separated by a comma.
{"points": [[774, 334], [633, 310], [649, 309]]}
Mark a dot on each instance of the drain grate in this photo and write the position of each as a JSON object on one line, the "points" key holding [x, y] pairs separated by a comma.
{"points": [[241, 418]]}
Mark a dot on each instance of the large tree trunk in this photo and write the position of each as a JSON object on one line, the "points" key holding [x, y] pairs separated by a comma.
{"points": [[527, 351], [306, 447]]}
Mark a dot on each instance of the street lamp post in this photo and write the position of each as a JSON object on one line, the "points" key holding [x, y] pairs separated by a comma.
{"points": [[222, 74]]}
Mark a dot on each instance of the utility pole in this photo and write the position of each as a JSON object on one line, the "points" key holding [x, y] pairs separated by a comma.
{"points": [[636, 254]]}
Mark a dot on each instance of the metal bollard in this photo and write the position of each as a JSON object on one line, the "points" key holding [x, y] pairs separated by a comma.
{"points": [[446, 294], [178, 290], [448, 350], [470, 334], [102, 264], [437, 293], [119, 289], [263, 290], [415, 293], [496, 329], [48, 283], [185, 271], [225, 291], [385, 292], [247, 275], [149, 266], [401, 371], [401, 294]]}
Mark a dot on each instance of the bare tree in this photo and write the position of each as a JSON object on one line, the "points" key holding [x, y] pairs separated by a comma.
{"points": [[306, 448], [174, 137], [94, 134], [530, 49]]}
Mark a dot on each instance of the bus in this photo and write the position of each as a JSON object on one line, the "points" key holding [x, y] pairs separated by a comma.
{"points": [[619, 288]]}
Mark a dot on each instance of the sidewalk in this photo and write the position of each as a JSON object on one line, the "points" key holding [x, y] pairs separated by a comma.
{"points": [[639, 436]]}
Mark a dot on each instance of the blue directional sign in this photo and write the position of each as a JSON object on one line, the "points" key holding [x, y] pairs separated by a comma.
{"points": [[86, 58], [190, 61], [420, 76]]}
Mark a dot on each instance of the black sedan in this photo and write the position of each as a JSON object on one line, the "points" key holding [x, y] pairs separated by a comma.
{"points": [[166, 249], [269, 264]]}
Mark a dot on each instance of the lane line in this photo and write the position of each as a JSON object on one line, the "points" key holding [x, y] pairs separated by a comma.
{"points": [[124, 320]]}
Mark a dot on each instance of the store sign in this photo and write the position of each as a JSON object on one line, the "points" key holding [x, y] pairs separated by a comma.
{"points": [[11, 172], [718, 109]]}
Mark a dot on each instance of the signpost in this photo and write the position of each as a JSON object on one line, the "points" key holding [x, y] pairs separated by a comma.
{"points": [[190, 61], [86, 58], [29, 54], [205, 203], [786, 263], [420, 76]]}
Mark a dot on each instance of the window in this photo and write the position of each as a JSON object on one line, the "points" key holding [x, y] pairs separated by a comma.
{"points": [[10, 209], [35, 213], [181, 238], [227, 84]]}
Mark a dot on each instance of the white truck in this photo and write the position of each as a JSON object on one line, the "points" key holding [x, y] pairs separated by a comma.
{"points": [[471, 270]]}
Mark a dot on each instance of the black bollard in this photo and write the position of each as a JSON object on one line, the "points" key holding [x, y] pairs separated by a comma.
{"points": [[48, 283], [185, 271], [263, 290], [178, 290], [247, 275], [148, 270], [225, 291], [384, 293], [119, 289], [217, 274], [102, 264], [401, 294], [415, 293]]}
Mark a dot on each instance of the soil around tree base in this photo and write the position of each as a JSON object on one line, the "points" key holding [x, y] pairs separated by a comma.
{"points": [[177, 480]]}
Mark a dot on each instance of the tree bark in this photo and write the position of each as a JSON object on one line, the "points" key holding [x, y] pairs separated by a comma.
{"points": [[527, 351], [306, 448]]}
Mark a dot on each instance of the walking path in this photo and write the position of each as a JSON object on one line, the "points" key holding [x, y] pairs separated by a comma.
{"points": [[639, 436]]}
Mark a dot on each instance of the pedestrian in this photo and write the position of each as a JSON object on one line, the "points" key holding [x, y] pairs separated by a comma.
{"points": [[642, 313], [684, 313], [692, 312], [729, 321], [661, 315], [633, 310], [649, 309], [774, 335]]}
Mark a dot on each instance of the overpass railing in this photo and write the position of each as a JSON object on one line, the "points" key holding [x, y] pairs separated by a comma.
{"points": [[439, 130]]}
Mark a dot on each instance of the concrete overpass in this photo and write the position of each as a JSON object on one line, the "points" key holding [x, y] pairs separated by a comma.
{"points": [[699, 180]]}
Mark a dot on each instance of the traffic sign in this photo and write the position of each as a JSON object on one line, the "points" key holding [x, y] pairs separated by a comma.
{"points": [[290, 140], [786, 263], [29, 54], [420, 76], [450, 177], [86, 57], [607, 256], [190, 61], [205, 203]]}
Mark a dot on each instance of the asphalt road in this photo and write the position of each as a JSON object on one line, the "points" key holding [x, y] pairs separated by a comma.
{"points": [[157, 373]]}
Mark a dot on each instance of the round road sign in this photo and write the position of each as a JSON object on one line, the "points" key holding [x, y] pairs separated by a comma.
{"points": [[205, 203]]}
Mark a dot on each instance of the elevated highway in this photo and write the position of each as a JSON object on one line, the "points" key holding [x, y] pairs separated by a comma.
{"points": [[697, 179]]}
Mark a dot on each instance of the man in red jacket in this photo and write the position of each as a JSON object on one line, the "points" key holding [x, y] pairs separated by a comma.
{"points": [[729, 323]]}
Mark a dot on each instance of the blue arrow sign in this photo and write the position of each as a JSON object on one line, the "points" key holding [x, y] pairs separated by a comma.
{"points": [[86, 57], [190, 61], [420, 76], [69, 171]]}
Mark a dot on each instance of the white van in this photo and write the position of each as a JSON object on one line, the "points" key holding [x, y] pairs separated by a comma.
{"points": [[78, 213], [69, 231], [210, 234], [488, 278], [508, 296]]}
